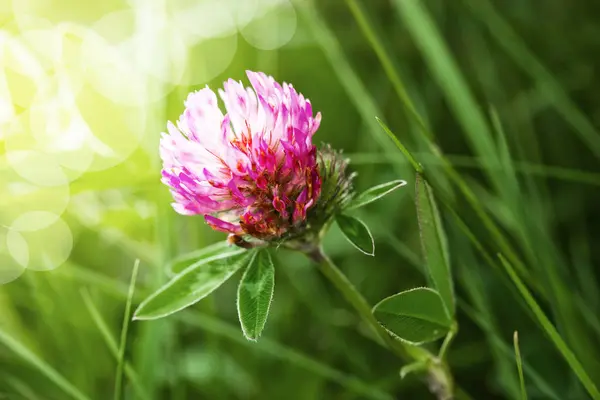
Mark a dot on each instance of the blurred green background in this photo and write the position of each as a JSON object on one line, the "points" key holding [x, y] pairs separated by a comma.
{"points": [[507, 90]]}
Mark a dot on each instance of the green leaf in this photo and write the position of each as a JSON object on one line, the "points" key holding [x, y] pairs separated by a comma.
{"points": [[184, 261], [375, 193], [415, 316], [255, 294], [357, 233], [192, 285], [434, 243]]}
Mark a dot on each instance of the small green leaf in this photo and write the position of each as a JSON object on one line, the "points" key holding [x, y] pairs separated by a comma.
{"points": [[184, 261], [415, 316], [434, 243], [357, 233], [192, 285], [255, 294], [375, 193]]}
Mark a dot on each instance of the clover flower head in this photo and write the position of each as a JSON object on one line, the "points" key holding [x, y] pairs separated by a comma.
{"points": [[251, 171]]}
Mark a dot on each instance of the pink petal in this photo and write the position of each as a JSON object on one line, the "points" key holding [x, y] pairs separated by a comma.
{"points": [[223, 226]]}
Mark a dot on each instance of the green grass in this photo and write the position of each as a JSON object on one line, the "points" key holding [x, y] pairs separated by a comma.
{"points": [[519, 365], [494, 102]]}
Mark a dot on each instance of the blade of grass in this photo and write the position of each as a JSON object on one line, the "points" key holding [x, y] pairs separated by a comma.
{"points": [[418, 168], [447, 74], [461, 161], [112, 343], [457, 92], [509, 182], [544, 387], [489, 223], [39, 364], [369, 30], [519, 365], [358, 93], [529, 228], [506, 38], [551, 331], [124, 329], [471, 277], [20, 387], [482, 318], [475, 204], [459, 96], [490, 261], [534, 233]]}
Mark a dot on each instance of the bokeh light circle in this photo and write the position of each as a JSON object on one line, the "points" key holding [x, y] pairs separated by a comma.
{"points": [[18, 248], [116, 129], [209, 58], [273, 26], [205, 19], [33, 221], [39, 249], [37, 167], [243, 11], [31, 13], [20, 196], [10, 269], [114, 64]]}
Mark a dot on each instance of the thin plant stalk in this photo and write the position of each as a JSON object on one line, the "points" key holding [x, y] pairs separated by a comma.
{"points": [[439, 377], [125, 326], [519, 365]]}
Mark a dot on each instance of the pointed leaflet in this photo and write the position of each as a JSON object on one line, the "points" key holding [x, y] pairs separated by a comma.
{"points": [[192, 285], [357, 233], [184, 261], [433, 241], [255, 294], [374, 193], [416, 316]]}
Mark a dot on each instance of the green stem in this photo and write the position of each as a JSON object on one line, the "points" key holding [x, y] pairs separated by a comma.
{"points": [[439, 376], [447, 341]]}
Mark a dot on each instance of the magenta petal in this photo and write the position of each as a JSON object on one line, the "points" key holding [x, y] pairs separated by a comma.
{"points": [[223, 226], [251, 159]]}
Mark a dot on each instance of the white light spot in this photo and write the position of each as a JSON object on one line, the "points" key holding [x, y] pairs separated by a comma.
{"points": [[274, 25], [41, 249]]}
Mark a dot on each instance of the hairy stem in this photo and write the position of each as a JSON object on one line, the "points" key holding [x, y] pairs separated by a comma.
{"points": [[440, 380]]}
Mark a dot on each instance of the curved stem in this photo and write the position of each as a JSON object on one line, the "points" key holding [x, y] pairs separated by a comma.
{"points": [[447, 341], [439, 376]]}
